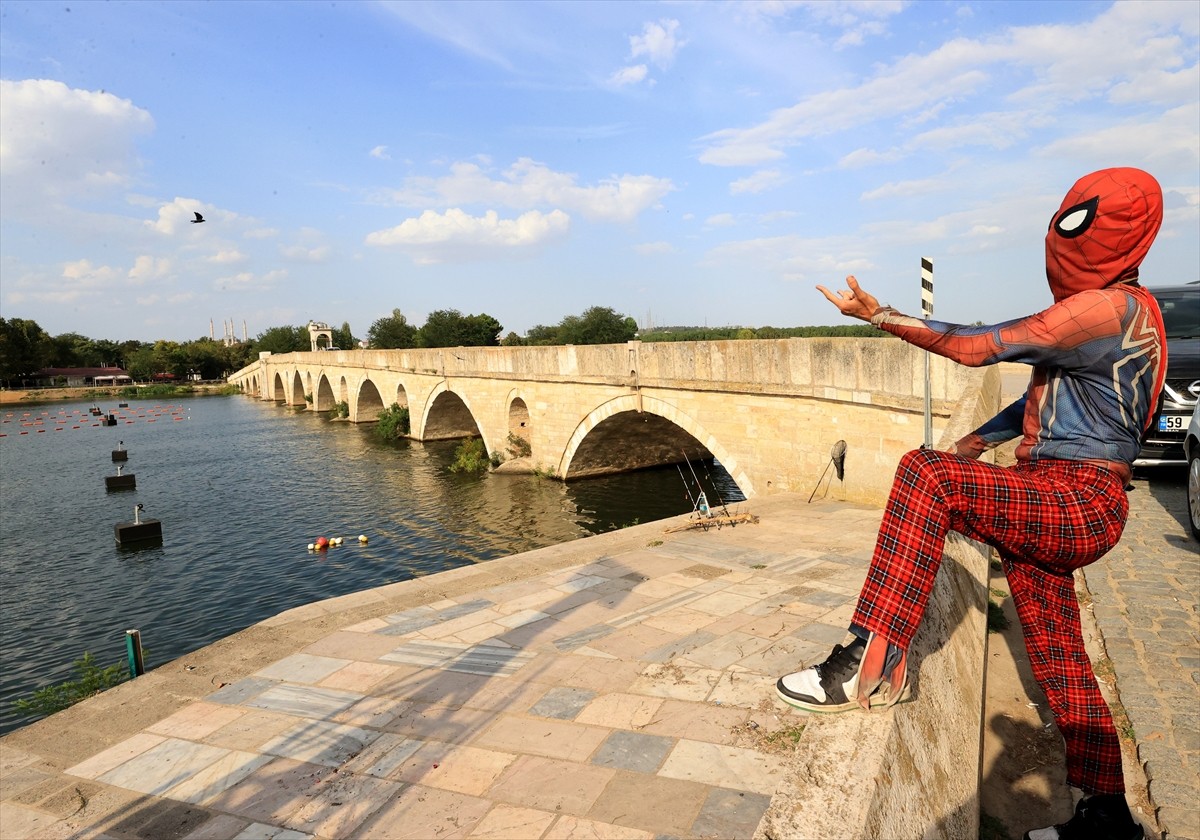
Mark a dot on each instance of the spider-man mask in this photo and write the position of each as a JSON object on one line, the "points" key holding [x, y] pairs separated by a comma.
{"points": [[1102, 231]]}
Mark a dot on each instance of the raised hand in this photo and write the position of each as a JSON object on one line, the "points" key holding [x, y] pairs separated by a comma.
{"points": [[853, 301]]}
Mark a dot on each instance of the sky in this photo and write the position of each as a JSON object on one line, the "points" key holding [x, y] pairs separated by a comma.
{"points": [[684, 163]]}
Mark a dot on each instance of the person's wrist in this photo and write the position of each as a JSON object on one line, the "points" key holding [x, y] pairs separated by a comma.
{"points": [[879, 315]]}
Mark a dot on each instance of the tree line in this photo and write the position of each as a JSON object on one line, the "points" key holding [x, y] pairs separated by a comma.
{"points": [[25, 347]]}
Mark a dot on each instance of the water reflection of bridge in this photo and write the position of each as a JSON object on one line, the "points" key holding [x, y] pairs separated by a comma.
{"points": [[768, 410]]}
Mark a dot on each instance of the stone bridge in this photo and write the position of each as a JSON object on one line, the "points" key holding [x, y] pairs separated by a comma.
{"points": [[768, 410]]}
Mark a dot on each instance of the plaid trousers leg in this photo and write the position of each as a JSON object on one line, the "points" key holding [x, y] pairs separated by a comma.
{"points": [[1047, 518], [1049, 613]]}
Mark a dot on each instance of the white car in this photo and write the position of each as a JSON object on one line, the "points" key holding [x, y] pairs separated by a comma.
{"points": [[1191, 449]]}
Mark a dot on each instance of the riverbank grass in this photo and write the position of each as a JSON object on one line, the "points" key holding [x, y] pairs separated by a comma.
{"points": [[92, 680]]}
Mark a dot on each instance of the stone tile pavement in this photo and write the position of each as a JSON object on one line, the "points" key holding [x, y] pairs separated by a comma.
{"points": [[625, 693], [627, 696], [1146, 603]]}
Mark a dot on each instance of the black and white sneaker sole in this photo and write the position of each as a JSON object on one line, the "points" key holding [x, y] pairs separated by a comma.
{"points": [[808, 704]]}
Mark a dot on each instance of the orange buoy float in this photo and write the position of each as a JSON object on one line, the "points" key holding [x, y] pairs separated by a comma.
{"points": [[321, 544]]}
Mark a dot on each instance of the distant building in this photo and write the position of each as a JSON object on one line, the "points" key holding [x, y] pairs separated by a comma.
{"points": [[82, 376]]}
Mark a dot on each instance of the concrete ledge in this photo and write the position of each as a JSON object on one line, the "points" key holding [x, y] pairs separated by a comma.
{"points": [[913, 771]]}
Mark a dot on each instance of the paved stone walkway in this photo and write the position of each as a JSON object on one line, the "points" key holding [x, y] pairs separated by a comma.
{"points": [[1146, 594], [629, 696]]}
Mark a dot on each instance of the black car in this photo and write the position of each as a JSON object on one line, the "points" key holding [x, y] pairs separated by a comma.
{"points": [[1163, 443]]}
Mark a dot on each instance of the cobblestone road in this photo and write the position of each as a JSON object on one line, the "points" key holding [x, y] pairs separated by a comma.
{"points": [[1146, 594]]}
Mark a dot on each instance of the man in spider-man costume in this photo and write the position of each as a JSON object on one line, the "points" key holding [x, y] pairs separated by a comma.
{"points": [[1099, 358]]}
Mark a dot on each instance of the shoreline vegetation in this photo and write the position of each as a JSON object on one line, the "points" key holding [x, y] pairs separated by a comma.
{"points": [[34, 396]]}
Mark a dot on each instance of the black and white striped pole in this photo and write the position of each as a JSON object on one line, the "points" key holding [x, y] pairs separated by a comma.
{"points": [[927, 313]]}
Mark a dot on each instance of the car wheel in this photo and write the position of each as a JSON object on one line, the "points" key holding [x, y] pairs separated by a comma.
{"points": [[1193, 493]]}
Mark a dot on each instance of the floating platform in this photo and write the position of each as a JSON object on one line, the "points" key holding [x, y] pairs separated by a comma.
{"points": [[129, 533], [128, 481]]}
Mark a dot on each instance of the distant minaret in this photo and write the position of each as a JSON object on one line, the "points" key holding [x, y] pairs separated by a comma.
{"points": [[245, 336], [211, 337]]}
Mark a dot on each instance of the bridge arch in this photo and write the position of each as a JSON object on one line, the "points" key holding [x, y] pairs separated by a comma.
{"points": [[368, 404], [323, 397], [447, 416], [646, 438], [277, 392], [520, 428], [401, 395], [296, 395]]}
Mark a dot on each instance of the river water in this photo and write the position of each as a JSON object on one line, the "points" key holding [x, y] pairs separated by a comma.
{"points": [[241, 488]]}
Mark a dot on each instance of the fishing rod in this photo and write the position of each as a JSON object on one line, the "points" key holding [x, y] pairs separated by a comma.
{"points": [[717, 490], [699, 487], [685, 488]]}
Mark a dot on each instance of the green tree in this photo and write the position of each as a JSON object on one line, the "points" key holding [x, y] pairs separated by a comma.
{"points": [[170, 357], [140, 363], [343, 339], [24, 348], [512, 340], [392, 332], [207, 358], [284, 340], [450, 328], [541, 336], [481, 331], [72, 350], [597, 325]]}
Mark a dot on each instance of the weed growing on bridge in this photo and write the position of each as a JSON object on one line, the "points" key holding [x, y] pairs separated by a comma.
{"points": [[340, 409], [393, 422], [518, 447], [472, 456]]}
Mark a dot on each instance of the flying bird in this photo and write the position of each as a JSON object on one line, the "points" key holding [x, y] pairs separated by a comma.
{"points": [[198, 218]]}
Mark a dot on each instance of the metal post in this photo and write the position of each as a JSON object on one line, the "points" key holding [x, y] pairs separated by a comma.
{"points": [[133, 648], [927, 313]]}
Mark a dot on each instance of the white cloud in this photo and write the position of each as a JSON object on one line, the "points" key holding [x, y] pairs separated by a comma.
{"points": [[657, 42], [907, 189], [1129, 52], [795, 258], [78, 280], [228, 256], [720, 220], [58, 142], [861, 158], [435, 235], [146, 268], [760, 181], [300, 253], [649, 248], [1168, 142], [529, 185], [380, 153], [179, 214], [776, 216], [628, 75], [245, 281]]}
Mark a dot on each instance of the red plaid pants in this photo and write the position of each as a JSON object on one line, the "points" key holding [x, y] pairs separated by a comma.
{"points": [[1046, 518]]}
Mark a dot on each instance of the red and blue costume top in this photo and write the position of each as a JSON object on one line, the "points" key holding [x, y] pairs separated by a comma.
{"points": [[1098, 354]]}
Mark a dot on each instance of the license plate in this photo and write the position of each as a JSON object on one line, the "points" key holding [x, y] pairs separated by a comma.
{"points": [[1172, 423]]}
